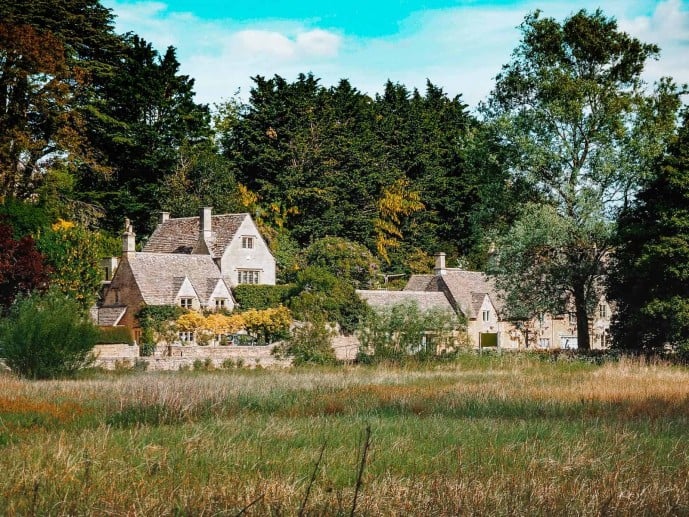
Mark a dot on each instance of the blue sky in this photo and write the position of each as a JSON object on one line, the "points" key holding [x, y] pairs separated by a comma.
{"points": [[459, 45]]}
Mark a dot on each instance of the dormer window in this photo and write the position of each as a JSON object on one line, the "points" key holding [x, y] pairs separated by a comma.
{"points": [[486, 315], [220, 303], [248, 243], [186, 303]]}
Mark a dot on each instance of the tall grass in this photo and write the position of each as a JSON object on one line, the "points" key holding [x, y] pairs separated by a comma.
{"points": [[502, 435]]}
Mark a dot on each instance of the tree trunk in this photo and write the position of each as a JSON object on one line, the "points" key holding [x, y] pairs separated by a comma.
{"points": [[580, 306]]}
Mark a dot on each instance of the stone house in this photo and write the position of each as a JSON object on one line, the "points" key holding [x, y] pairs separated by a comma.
{"points": [[192, 262], [474, 295]]}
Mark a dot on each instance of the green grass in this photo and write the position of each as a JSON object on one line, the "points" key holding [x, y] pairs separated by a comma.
{"points": [[485, 435]]}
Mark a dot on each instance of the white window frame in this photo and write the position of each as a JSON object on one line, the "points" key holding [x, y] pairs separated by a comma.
{"points": [[186, 336], [248, 242], [544, 343], [486, 315], [186, 302], [220, 303], [602, 311], [248, 276]]}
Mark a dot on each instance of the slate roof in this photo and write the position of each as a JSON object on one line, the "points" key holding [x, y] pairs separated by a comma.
{"points": [[110, 316], [468, 289], [420, 283], [160, 275], [426, 300], [180, 235]]}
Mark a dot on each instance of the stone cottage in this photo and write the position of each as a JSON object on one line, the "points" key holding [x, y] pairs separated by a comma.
{"points": [[192, 262], [474, 295]]}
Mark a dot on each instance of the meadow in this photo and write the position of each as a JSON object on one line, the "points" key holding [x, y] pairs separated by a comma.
{"points": [[505, 435]]}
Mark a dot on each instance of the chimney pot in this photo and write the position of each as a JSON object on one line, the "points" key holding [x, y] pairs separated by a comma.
{"points": [[128, 239], [164, 216]]}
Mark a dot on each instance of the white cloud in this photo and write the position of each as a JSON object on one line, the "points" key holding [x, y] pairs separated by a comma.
{"points": [[459, 49]]}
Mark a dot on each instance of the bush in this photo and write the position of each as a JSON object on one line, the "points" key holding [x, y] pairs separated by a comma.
{"points": [[114, 336], [156, 325], [47, 336], [406, 332], [310, 343], [260, 297], [347, 260]]}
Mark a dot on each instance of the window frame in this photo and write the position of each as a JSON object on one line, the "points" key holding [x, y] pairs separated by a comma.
{"points": [[186, 302], [248, 242]]}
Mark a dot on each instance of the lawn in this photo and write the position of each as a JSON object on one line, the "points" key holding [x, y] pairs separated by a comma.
{"points": [[515, 434]]}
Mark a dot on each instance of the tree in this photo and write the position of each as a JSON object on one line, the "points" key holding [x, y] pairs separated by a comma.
{"points": [[347, 260], [47, 336], [580, 127], [22, 267], [74, 255], [649, 279]]}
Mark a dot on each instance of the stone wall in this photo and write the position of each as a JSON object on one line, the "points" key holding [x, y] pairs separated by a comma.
{"points": [[174, 357]]}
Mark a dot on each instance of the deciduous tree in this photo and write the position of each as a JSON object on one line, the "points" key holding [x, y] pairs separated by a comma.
{"points": [[572, 108]]}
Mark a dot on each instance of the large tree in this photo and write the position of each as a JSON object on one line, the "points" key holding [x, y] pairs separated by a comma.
{"points": [[581, 127], [649, 279]]}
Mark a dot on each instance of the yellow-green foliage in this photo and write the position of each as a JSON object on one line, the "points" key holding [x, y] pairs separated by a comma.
{"points": [[398, 201], [266, 324]]}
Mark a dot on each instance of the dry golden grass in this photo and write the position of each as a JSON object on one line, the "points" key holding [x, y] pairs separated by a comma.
{"points": [[506, 435]]}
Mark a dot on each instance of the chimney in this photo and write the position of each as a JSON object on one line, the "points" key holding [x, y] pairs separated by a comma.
{"points": [[439, 269], [205, 222], [128, 239], [164, 216]]}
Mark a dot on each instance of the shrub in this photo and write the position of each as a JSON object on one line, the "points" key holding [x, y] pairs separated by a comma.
{"points": [[310, 343], [260, 297], [405, 331], [114, 335], [156, 325], [47, 336]]}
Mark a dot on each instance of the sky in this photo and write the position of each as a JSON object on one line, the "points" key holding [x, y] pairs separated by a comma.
{"points": [[458, 45]]}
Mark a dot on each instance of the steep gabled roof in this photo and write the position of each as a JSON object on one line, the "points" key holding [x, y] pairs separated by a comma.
{"points": [[161, 275], [468, 290], [180, 235], [426, 300]]}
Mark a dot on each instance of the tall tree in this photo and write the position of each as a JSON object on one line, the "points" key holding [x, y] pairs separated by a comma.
{"points": [[148, 115], [52, 55], [572, 106], [649, 279]]}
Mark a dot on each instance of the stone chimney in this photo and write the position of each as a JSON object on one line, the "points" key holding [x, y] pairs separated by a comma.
{"points": [[205, 223], [164, 216], [440, 269], [128, 239]]}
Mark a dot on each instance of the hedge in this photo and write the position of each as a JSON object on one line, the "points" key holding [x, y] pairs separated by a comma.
{"points": [[114, 336], [261, 297]]}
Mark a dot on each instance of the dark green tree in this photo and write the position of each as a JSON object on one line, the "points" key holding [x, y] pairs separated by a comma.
{"points": [[148, 116], [649, 278], [572, 110]]}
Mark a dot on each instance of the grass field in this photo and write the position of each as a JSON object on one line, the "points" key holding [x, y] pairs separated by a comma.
{"points": [[514, 434]]}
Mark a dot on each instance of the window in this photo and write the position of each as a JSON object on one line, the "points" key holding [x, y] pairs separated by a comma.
{"points": [[247, 276], [186, 302], [248, 242], [186, 337], [220, 303], [602, 310], [486, 315], [572, 318], [544, 342]]}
